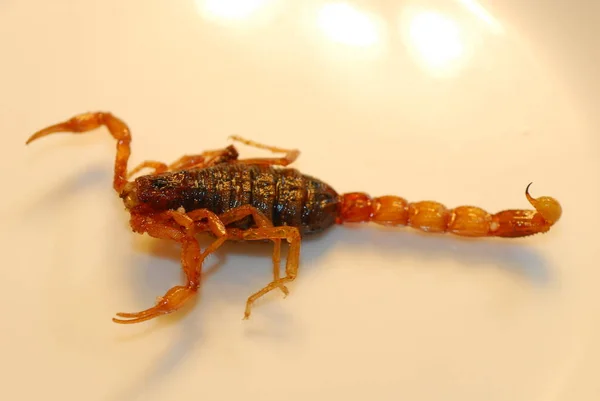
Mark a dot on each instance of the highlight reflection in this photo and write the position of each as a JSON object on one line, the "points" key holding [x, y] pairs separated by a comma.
{"points": [[436, 38], [230, 9], [440, 42], [482, 14], [344, 24]]}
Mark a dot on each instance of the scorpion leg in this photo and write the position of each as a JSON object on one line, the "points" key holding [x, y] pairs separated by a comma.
{"points": [[212, 157], [159, 167], [292, 236], [204, 159], [261, 221], [290, 154], [179, 227]]}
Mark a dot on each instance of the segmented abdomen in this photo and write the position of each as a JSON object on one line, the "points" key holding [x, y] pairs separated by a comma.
{"points": [[285, 196]]}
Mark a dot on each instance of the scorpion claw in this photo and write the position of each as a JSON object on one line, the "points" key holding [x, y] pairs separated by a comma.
{"points": [[47, 131], [78, 124], [148, 314], [172, 301], [131, 321]]}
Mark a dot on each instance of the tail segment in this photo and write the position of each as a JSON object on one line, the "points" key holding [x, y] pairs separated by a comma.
{"points": [[468, 221], [89, 121]]}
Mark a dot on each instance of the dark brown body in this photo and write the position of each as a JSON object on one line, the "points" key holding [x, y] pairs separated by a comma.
{"points": [[285, 196]]}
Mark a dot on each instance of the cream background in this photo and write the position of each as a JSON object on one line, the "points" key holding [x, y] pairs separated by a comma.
{"points": [[465, 106]]}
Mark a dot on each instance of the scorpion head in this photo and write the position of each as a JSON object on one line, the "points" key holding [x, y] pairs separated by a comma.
{"points": [[129, 194], [156, 192]]}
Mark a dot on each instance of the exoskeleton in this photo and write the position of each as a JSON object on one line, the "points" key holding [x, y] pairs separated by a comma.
{"points": [[262, 199]]}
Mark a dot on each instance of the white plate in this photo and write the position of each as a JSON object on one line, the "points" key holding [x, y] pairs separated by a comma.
{"points": [[461, 102]]}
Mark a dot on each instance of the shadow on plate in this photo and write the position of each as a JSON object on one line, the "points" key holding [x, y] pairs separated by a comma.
{"points": [[149, 279], [514, 257]]}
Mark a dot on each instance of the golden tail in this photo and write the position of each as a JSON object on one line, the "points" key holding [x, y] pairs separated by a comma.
{"points": [[468, 221]]}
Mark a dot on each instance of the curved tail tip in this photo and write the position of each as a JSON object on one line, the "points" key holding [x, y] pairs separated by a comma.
{"points": [[527, 189], [546, 206]]}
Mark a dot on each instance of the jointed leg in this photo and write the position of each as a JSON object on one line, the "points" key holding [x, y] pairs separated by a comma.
{"points": [[212, 157], [240, 212], [290, 154], [159, 167], [179, 227], [185, 162], [261, 221], [292, 236], [182, 227]]}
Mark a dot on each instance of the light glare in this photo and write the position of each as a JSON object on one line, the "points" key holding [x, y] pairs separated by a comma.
{"points": [[436, 38], [482, 14], [345, 24], [230, 9]]}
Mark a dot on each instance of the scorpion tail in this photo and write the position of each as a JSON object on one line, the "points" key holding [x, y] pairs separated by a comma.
{"points": [[468, 221], [90, 121]]}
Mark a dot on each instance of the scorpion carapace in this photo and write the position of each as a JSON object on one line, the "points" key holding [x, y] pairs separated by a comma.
{"points": [[260, 199]]}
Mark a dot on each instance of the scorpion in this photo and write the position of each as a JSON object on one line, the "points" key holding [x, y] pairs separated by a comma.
{"points": [[261, 199]]}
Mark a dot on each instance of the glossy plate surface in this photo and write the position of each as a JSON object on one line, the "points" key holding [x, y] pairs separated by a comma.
{"points": [[463, 102]]}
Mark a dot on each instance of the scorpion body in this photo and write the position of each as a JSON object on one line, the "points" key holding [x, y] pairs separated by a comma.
{"points": [[283, 195], [263, 199]]}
